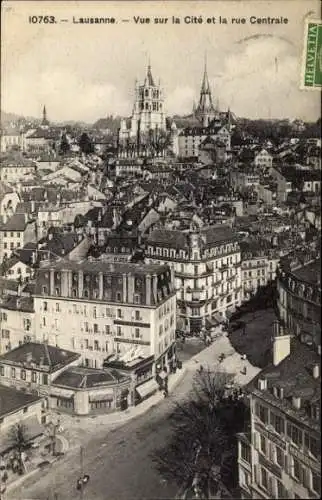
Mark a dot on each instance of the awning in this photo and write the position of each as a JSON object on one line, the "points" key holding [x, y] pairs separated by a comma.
{"points": [[33, 429], [147, 388], [101, 396], [61, 393]]}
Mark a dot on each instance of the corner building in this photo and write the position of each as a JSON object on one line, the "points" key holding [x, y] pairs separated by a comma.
{"points": [[207, 268], [101, 310]]}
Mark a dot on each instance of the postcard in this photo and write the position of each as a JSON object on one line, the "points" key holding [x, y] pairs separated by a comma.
{"points": [[160, 225]]}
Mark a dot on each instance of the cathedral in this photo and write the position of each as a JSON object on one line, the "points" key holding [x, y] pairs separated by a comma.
{"points": [[148, 116]]}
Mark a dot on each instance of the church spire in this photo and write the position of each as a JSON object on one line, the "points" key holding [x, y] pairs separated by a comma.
{"points": [[44, 116], [205, 111], [205, 87], [149, 77]]}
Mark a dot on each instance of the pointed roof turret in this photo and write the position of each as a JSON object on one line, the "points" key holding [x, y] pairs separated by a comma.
{"points": [[149, 78], [205, 87]]}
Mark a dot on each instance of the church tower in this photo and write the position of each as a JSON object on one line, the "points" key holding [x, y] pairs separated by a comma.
{"points": [[45, 122], [205, 111], [148, 111]]}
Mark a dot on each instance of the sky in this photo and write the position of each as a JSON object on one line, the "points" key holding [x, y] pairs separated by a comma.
{"points": [[85, 72]]}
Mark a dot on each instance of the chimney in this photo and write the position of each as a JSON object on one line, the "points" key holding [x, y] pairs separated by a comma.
{"points": [[296, 402], [281, 344], [262, 384], [29, 357], [316, 371]]}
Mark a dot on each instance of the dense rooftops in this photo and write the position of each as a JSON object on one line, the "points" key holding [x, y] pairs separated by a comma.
{"points": [[97, 266]]}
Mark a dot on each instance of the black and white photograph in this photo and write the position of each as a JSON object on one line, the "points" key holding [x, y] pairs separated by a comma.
{"points": [[160, 229]]}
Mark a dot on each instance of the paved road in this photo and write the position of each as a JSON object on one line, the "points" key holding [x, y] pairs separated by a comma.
{"points": [[118, 461]]}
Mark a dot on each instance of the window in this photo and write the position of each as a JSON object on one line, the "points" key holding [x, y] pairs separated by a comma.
{"points": [[44, 322], [296, 469], [107, 329], [137, 315], [119, 313], [261, 412], [34, 377], [137, 299], [295, 434], [118, 296], [316, 483], [45, 306], [4, 316], [96, 345], [245, 452], [279, 456], [264, 478], [118, 331], [13, 373], [312, 445], [86, 326], [137, 333], [25, 409], [94, 312], [2, 371], [277, 422], [263, 445], [95, 327], [57, 307], [56, 291], [23, 374], [45, 379], [44, 290]]}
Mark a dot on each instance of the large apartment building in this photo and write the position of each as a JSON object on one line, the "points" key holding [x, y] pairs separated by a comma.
{"points": [[207, 269], [100, 309], [281, 455], [299, 294]]}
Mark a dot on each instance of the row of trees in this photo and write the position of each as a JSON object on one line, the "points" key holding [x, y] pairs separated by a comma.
{"points": [[201, 456]]}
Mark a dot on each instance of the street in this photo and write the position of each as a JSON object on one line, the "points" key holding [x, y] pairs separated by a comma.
{"points": [[118, 460]]}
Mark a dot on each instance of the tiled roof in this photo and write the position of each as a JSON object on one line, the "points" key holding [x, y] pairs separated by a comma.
{"points": [[12, 400], [294, 375], [40, 354], [85, 378], [17, 222], [101, 266], [15, 303]]}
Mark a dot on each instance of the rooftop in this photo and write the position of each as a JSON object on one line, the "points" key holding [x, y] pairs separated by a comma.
{"points": [[48, 357], [310, 273], [85, 378], [294, 375], [12, 400], [96, 266]]}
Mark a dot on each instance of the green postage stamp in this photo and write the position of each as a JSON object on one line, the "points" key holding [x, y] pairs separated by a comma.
{"points": [[312, 56]]}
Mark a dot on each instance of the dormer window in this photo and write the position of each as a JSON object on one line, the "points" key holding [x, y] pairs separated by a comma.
{"points": [[314, 411]]}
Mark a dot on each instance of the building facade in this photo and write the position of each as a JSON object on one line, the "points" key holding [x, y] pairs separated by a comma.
{"points": [[111, 309], [207, 269], [281, 455], [299, 295]]}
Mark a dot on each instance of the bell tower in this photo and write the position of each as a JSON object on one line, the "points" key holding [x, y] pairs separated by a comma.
{"points": [[205, 111]]}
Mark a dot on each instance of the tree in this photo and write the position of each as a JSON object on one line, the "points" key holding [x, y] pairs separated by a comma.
{"points": [[64, 145], [19, 440], [85, 144], [201, 455]]}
